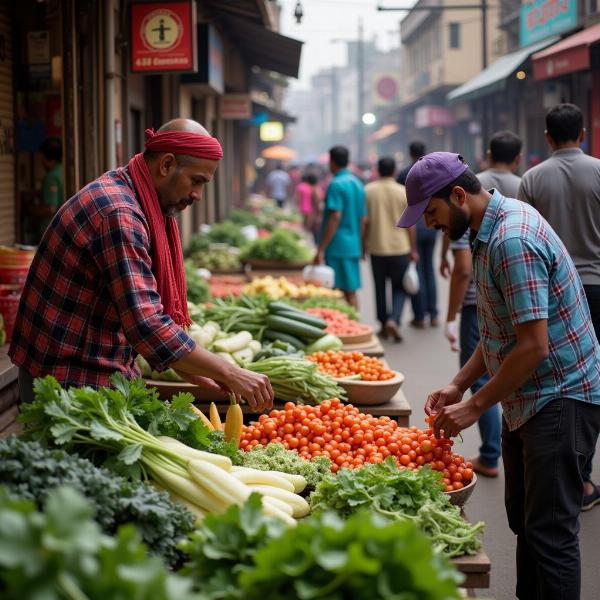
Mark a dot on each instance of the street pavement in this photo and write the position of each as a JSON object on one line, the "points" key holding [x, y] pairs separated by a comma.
{"points": [[425, 358]]}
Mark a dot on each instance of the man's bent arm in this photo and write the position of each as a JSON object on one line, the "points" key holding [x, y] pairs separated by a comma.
{"points": [[520, 364]]}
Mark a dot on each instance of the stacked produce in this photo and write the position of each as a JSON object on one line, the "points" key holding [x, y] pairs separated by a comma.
{"points": [[221, 286], [282, 245], [400, 494], [61, 552], [339, 323], [30, 472], [280, 287], [237, 348], [217, 258], [246, 555], [197, 288], [267, 320], [101, 420], [294, 378], [351, 365], [351, 439], [320, 301]]}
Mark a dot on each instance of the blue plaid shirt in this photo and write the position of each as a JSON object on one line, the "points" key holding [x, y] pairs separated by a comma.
{"points": [[524, 273]]}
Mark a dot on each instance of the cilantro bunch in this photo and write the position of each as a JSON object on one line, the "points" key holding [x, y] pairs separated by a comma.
{"points": [[400, 494], [243, 554], [363, 557], [61, 553], [31, 472], [224, 546]]}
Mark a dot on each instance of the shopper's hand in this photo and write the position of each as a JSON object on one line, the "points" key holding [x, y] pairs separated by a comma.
{"points": [[445, 270], [451, 333], [451, 420], [445, 396], [319, 258], [255, 388], [414, 256]]}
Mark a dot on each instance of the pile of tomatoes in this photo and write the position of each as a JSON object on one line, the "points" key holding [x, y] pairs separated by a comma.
{"points": [[345, 364], [350, 439], [338, 323]]}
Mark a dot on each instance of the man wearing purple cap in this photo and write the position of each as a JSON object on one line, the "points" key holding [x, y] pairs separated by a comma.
{"points": [[538, 345]]}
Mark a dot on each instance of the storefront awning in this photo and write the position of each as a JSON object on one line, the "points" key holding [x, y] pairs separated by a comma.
{"points": [[382, 133], [493, 78], [265, 48], [567, 56]]}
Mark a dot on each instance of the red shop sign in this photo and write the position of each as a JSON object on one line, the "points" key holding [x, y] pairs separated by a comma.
{"points": [[163, 36]]}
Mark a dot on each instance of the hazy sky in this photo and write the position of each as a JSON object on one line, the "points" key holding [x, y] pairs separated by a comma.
{"points": [[327, 20]]}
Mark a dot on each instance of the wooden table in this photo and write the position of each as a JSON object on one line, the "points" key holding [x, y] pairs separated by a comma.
{"points": [[476, 570], [9, 395]]}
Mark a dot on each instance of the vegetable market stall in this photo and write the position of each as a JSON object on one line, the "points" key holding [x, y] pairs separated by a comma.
{"points": [[9, 394]]}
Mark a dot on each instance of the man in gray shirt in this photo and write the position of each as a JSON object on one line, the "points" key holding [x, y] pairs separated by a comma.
{"points": [[504, 157], [565, 189]]}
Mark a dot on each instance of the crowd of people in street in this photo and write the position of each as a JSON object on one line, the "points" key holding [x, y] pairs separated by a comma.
{"points": [[523, 260]]}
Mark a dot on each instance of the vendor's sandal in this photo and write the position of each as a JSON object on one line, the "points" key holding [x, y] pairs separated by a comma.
{"points": [[592, 499], [482, 469]]}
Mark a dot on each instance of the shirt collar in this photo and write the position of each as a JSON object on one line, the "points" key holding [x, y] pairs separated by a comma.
{"points": [[567, 151], [490, 217], [342, 172]]}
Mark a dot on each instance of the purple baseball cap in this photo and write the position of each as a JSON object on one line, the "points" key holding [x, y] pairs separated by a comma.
{"points": [[427, 176]]}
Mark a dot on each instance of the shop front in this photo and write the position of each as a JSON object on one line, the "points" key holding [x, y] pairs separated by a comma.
{"points": [[573, 67]]}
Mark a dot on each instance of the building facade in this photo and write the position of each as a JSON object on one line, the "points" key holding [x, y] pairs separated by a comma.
{"points": [[68, 70]]}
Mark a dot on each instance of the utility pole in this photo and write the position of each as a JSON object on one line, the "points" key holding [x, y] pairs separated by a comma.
{"points": [[360, 67]]}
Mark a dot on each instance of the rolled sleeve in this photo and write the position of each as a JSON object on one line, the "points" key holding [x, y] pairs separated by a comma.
{"points": [[121, 253], [522, 274]]}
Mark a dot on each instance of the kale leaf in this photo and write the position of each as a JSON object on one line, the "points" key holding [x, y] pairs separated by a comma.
{"points": [[61, 553], [31, 472]]}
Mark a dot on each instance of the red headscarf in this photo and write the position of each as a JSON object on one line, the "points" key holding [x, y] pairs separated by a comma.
{"points": [[167, 253]]}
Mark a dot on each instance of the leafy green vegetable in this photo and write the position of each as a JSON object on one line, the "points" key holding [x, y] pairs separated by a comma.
{"points": [[398, 493], [224, 546], [325, 302], [61, 553], [244, 217], [31, 472], [116, 424], [197, 288], [363, 557], [228, 233], [281, 245], [275, 457]]}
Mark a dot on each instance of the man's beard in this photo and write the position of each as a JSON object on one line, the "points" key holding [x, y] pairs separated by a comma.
{"points": [[458, 223]]}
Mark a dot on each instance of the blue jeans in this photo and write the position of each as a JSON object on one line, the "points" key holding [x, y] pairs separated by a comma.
{"points": [[425, 302], [543, 463], [392, 268], [489, 422]]}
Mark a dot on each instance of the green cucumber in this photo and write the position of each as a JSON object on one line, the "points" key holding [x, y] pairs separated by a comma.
{"points": [[303, 317], [275, 307], [274, 335], [294, 327]]}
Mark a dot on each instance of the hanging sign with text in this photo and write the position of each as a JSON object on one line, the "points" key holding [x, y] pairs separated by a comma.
{"points": [[163, 37]]}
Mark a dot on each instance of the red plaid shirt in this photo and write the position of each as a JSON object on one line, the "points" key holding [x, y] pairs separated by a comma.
{"points": [[90, 303]]}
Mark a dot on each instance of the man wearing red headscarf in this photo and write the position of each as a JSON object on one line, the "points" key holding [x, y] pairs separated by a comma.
{"points": [[108, 282]]}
